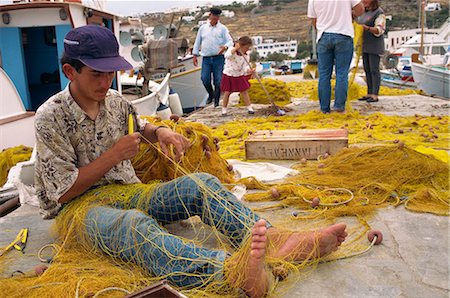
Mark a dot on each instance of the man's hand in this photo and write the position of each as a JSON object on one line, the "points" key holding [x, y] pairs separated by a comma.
{"points": [[167, 137], [222, 50], [127, 146], [195, 61]]}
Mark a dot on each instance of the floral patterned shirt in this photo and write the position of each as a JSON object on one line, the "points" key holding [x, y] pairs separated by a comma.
{"points": [[235, 65], [67, 139]]}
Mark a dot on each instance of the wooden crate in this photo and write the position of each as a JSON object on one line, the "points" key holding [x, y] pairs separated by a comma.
{"points": [[295, 143]]}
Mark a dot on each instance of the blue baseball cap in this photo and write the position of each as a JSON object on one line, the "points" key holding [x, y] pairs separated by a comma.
{"points": [[96, 47]]}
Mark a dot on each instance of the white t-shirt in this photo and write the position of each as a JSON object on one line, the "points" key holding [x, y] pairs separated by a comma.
{"points": [[333, 16]]}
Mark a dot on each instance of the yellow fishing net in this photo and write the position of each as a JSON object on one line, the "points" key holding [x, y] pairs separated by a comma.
{"points": [[357, 180], [80, 270], [309, 89], [10, 157], [377, 128], [203, 156], [277, 90]]}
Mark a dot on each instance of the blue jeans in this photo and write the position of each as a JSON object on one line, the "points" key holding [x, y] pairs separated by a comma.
{"points": [[334, 49], [212, 65], [135, 235]]}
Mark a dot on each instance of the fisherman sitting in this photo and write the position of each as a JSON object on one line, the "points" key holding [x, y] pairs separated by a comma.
{"points": [[83, 147]]}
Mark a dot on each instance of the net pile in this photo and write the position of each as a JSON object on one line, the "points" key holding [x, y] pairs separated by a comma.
{"points": [[79, 268], [358, 180], [413, 131], [277, 89], [10, 157], [202, 156], [347, 184], [309, 89]]}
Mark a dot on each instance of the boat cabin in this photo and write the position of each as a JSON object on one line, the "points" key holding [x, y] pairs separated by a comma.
{"points": [[31, 44]]}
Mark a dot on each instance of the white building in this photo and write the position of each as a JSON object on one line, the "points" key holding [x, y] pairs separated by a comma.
{"points": [[265, 47], [188, 19], [396, 39]]}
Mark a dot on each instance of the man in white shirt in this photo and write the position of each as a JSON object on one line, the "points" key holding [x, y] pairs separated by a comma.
{"points": [[213, 39], [333, 21]]}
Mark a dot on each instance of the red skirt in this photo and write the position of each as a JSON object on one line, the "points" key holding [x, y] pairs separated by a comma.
{"points": [[234, 84]]}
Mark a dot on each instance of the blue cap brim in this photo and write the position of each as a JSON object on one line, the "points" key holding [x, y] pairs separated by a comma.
{"points": [[108, 64]]}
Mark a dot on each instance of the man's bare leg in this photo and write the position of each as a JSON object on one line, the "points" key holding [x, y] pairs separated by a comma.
{"points": [[254, 278], [299, 246]]}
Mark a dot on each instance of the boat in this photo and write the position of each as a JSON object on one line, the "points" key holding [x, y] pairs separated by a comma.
{"points": [[398, 73], [16, 124], [185, 77], [434, 80], [31, 42]]}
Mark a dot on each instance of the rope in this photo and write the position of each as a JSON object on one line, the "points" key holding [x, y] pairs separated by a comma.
{"points": [[55, 248], [109, 290]]}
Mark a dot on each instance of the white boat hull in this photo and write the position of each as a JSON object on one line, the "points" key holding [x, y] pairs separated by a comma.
{"points": [[189, 87], [16, 124], [147, 105], [432, 80], [185, 80]]}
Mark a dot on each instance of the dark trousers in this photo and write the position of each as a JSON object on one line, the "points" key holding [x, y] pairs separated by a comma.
{"points": [[371, 64], [212, 66]]}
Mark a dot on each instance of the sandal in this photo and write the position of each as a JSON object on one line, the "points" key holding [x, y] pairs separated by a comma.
{"points": [[372, 99], [364, 98]]}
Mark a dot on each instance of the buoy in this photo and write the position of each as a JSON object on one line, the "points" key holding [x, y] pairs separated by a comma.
{"points": [[315, 202], [174, 117], [294, 213], [371, 235], [175, 104], [39, 269], [163, 112], [275, 194], [303, 161]]}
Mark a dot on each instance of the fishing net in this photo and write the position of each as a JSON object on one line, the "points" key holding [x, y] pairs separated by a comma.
{"points": [[375, 129], [10, 157], [277, 89], [358, 180], [309, 89], [203, 155], [85, 267]]}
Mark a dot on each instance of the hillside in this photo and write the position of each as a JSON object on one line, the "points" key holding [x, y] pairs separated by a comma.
{"points": [[287, 19]]}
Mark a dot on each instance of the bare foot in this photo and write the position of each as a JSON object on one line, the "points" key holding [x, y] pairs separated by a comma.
{"points": [[299, 246], [253, 278]]}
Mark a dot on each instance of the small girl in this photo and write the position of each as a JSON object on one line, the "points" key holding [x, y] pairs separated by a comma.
{"points": [[236, 73]]}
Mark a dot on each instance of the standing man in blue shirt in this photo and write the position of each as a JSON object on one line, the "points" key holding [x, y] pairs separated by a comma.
{"points": [[213, 39]]}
